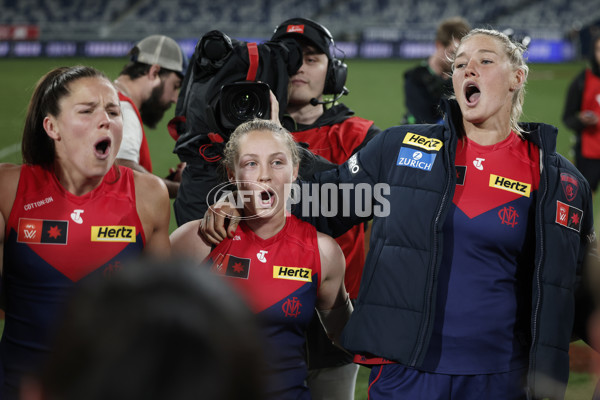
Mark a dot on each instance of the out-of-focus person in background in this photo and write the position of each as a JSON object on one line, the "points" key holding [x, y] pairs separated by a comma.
{"points": [[148, 85], [68, 212], [154, 330], [426, 84], [582, 115]]}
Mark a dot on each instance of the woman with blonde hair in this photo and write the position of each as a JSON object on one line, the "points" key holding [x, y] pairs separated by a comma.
{"points": [[282, 266], [469, 288]]}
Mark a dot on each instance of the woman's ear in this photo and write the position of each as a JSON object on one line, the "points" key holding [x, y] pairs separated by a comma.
{"points": [[517, 80], [295, 172], [230, 175], [51, 127]]}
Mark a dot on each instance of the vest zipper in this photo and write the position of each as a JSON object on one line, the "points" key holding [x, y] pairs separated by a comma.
{"points": [[435, 252], [538, 271]]}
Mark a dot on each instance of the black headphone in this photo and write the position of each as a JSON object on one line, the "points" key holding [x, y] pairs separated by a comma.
{"points": [[336, 77], [337, 70]]}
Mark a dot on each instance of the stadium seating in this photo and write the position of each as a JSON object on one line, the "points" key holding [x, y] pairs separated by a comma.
{"points": [[130, 19]]}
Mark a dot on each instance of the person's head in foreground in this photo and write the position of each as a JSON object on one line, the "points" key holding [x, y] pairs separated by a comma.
{"points": [[153, 330]]}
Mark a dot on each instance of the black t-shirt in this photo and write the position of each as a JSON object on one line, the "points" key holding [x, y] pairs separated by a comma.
{"points": [[423, 91]]}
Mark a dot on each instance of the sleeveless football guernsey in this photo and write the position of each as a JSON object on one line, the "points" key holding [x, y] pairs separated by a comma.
{"points": [[54, 239], [279, 278], [483, 310]]}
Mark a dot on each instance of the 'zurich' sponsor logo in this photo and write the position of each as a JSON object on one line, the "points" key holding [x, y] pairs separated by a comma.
{"points": [[415, 159]]}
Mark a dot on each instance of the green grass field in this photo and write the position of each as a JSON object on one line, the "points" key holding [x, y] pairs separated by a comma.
{"points": [[375, 93]]}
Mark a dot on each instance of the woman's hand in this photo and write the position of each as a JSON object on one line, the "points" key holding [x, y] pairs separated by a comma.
{"points": [[220, 221], [274, 107]]}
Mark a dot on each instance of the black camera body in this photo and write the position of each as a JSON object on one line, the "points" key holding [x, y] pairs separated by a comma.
{"points": [[227, 83]]}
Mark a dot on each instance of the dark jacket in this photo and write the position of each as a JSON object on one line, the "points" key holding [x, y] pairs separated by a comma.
{"points": [[394, 312], [573, 104], [423, 90]]}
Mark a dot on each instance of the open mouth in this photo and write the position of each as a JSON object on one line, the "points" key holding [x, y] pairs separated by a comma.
{"points": [[267, 197], [472, 93], [102, 147]]}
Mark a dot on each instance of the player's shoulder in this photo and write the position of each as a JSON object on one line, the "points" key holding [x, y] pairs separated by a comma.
{"points": [[9, 167], [327, 245], [149, 188], [9, 182], [9, 173], [148, 181], [332, 257], [186, 241]]}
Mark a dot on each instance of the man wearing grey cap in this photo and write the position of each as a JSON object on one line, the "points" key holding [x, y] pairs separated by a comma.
{"points": [[147, 86]]}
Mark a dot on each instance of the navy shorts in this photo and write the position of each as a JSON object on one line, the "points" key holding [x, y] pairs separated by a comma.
{"points": [[396, 382]]}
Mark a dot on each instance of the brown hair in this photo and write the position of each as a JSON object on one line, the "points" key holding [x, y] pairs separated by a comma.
{"points": [[37, 147], [135, 70], [451, 29]]}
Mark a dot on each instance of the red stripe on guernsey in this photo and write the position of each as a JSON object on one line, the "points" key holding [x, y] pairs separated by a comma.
{"points": [[495, 175], [267, 271]]}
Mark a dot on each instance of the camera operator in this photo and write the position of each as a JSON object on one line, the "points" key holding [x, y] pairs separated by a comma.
{"points": [[329, 129], [332, 131], [228, 82]]}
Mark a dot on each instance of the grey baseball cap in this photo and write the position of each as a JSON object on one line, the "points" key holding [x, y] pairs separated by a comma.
{"points": [[161, 50]]}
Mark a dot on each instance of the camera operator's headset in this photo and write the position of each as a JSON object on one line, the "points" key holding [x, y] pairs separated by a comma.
{"points": [[337, 70]]}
